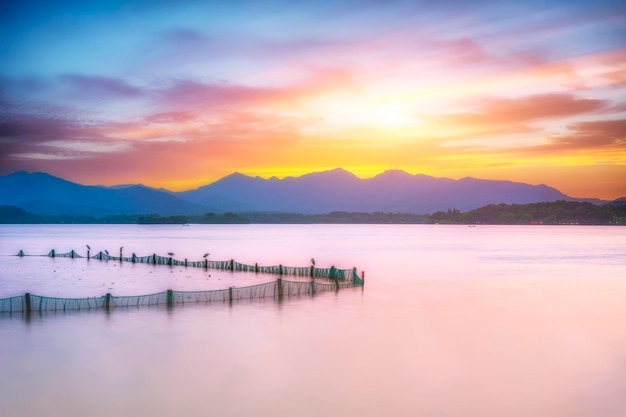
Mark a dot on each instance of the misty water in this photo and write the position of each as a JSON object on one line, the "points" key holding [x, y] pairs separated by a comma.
{"points": [[452, 321]]}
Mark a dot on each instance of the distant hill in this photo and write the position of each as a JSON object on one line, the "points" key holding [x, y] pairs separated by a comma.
{"points": [[41, 193], [11, 214], [316, 193], [339, 190]]}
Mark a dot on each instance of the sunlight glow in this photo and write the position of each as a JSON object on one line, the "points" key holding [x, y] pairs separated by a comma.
{"points": [[195, 93]]}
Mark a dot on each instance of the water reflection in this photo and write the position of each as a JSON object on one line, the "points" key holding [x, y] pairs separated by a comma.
{"points": [[455, 321]]}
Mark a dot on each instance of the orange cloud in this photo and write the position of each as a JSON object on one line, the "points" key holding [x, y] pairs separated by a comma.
{"points": [[608, 135], [498, 117], [526, 109]]}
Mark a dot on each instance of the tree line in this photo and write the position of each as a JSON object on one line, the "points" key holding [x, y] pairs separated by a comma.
{"points": [[559, 212]]}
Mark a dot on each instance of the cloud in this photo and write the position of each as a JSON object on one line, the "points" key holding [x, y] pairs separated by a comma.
{"points": [[99, 87], [537, 107], [605, 134], [198, 95], [34, 129], [69, 97], [499, 116], [174, 154], [185, 93], [171, 117], [602, 141], [30, 137], [160, 139], [40, 156], [87, 147], [186, 110]]}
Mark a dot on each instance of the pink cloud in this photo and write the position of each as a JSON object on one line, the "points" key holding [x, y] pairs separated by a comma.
{"points": [[498, 116]]}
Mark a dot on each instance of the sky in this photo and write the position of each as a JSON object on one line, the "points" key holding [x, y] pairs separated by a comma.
{"points": [[178, 94]]}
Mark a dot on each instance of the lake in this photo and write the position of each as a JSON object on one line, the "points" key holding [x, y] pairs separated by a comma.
{"points": [[452, 321]]}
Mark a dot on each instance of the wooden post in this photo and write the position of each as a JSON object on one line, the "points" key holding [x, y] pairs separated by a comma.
{"points": [[170, 298], [52, 253], [27, 306], [87, 255], [256, 267], [232, 264], [280, 288], [312, 271], [230, 294], [154, 258], [280, 269], [185, 262], [121, 256], [107, 301], [170, 261], [363, 278], [72, 254], [206, 264]]}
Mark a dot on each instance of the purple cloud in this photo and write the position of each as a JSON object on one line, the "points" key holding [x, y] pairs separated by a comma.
{"points": [[100, 87]]}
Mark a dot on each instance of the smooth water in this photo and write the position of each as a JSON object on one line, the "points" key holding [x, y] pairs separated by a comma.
{"points": [[453, 321]]}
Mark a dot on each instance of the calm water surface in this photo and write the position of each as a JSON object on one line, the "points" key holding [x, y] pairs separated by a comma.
{"points": [[453, 321]]}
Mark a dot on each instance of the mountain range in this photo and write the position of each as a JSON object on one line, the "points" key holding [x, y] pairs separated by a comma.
{"points": [[44, 194], [316, 193]]}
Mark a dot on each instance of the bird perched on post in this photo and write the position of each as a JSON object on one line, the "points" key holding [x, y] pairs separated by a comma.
{"points": [[313, 261]]}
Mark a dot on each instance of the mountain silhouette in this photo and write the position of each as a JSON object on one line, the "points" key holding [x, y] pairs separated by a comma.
{"points": [[41, 193], [340, 190], [314, 193]]}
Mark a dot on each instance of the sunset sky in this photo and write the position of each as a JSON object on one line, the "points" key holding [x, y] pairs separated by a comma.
{"points": [[180, 94]]}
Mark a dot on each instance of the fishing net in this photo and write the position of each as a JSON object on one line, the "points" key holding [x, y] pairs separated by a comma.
{"points": [[334, 279]]}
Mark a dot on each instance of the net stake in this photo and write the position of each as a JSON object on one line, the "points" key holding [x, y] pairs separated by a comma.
{"points": [[170, 298], [27, 302], [280, 288]]}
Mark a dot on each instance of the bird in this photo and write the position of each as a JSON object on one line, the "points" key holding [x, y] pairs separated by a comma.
{"points": [[106, 251], [122, 247], [170, 253], [313, 261], [205, 255], [88, 248]]}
